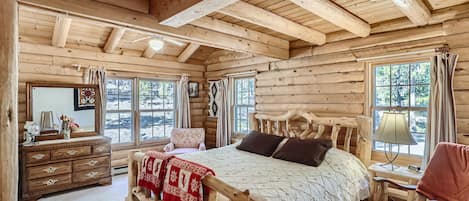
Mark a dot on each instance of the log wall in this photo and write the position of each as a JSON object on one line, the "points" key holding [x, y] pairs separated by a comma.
{"points": [[332, 79], [44, 63]]}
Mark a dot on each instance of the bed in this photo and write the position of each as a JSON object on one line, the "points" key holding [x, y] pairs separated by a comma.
{"points": [[246, 176]]}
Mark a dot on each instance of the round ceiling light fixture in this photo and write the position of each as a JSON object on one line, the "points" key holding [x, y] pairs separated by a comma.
{"points": [[156, 44]]}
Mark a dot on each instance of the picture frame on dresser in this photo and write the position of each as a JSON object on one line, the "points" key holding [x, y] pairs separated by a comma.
{"points": [[52, 163]]}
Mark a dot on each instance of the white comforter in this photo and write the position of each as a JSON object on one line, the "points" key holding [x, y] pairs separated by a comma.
{"points": [[340, 177]]}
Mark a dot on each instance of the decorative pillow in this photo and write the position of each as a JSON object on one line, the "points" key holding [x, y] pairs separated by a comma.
{"points": [[260, 143], [309, 151]]}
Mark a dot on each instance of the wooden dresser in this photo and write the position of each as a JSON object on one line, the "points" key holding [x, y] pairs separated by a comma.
{"points": [[56, 165]]}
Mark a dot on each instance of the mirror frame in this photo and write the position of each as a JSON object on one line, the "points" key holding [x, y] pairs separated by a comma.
{"points": [[97, 118]]}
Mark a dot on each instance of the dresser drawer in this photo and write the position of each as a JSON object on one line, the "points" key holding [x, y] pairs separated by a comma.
{"points": [[92, 163], [49, 182], [89, 175], [48, 170], [37, 156], [101, 148], [70, 152]]}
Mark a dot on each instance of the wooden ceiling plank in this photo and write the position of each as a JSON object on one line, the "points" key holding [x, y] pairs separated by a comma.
{"points": [[61, 29], [113, 39], [236, 30], [415, 10], [338, 16], [178, 13], [261, 17], [114, 16], [188, 51]]}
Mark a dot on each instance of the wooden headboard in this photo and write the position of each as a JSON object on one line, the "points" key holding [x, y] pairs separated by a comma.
{"points": [[349, 134]]}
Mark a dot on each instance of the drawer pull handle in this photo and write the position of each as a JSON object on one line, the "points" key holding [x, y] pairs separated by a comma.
{"points": [[50, 169], [100, 149], [50, 182], [38, 156], [92, 174], [92, 163], [72, 152]]}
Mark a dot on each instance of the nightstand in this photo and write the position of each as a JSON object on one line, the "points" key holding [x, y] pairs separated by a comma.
{"points": [[401, 173]]}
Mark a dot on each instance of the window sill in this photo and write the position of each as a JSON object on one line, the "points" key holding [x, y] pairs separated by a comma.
{"points": [[119, 147]]}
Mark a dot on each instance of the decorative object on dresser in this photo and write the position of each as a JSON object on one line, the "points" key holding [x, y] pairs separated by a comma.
{"points": [[56, 165], [393, 130]]}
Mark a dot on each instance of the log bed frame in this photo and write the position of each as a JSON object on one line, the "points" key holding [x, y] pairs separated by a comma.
{"points": [[300, 124]]}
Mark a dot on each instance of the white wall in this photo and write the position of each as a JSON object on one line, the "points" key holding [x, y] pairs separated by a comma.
{"points": [[60, 101]]}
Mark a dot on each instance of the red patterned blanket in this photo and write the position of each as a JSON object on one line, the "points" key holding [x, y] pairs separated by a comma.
{"points": [[153, 170], [183, 181]]}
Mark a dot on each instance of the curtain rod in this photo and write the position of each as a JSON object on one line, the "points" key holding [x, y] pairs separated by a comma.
{"points": [[443, 49]]}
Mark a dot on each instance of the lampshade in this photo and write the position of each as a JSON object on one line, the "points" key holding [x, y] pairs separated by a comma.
{"points": [[156, 44], [394, 129]]}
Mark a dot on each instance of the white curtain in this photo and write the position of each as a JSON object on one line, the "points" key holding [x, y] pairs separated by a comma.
{"points": [[98, 76], [184, 109], [224, 127], [442, 106]]}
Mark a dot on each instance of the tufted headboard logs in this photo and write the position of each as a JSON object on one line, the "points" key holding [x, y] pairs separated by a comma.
{"points": [[349, 134]]}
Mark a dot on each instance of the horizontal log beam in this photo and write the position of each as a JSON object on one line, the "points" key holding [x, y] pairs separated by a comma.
{"points": [[415, 10], [114, 15]]}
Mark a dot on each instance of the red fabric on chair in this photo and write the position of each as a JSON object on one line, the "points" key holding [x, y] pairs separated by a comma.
{"points": [[447, 175], [153, 170], [183, 180]]}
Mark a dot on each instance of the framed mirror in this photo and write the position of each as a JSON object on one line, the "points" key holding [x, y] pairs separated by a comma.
{"points": [[52, 106]]}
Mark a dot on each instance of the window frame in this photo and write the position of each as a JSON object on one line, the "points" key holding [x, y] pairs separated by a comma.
{"points": [[234, 105], [138, 111], [372, 102], [137, 142]]}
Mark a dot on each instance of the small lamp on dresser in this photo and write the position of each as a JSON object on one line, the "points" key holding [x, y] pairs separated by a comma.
{"points": [[393, 130]]}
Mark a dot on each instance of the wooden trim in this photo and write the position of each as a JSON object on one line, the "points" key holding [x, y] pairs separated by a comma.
{"points": [[97, 112]]}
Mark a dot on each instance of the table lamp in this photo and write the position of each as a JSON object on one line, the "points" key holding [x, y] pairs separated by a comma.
{"points": [[393, 129]]}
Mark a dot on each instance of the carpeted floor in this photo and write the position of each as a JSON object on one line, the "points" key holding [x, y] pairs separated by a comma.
{"points": [[115, 192]]}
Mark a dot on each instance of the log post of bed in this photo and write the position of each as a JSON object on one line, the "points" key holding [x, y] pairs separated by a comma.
{"points": [[217, 186]]}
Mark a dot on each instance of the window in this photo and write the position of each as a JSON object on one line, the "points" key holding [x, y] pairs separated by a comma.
{"points": [[403, 87], [157, 108], [244, 103], [148, 110], [119, 113]]}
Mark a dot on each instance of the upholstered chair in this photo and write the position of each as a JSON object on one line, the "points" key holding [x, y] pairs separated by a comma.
{"points": [[186, 140]]}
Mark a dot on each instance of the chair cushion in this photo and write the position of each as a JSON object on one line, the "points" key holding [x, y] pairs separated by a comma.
{"points": [[260, 143], [308, 151], [187, 137], [182, 151]]}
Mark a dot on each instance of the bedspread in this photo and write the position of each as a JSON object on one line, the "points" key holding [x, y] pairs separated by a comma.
{"points": [[340, 177]]}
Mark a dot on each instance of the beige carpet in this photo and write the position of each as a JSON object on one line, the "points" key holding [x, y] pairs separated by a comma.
{"points": [[115, 192]]}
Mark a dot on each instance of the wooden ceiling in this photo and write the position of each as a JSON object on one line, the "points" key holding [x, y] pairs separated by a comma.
{"points": [[262, 27]]}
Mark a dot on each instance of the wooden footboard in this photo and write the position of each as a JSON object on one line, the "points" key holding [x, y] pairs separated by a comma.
{"points": [[136, 193]]}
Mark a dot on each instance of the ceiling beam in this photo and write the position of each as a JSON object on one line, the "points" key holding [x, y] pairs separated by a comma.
{"points": [[179, 13], [336, 15], [237, 30], [115, 16], [61, 29], [415, 10], [113, 39], [149, 52], [188, 51], [255, 15]]}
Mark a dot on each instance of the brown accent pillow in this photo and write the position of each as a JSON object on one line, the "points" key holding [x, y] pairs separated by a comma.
{"points": [[260, 143], [309, 151]]}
